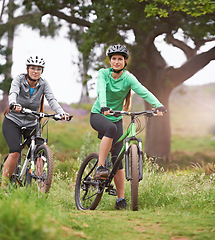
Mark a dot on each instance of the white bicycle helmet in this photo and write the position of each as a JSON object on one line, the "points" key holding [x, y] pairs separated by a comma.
{"points": [[117, 49], [36, 61]]}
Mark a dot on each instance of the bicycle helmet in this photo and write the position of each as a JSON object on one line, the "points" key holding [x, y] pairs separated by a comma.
{"points": [[36, 61], [117, 49]]}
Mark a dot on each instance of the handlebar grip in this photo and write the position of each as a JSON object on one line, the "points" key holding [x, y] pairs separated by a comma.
{"points": [[57, 117], [25, 110], [70, 117]]}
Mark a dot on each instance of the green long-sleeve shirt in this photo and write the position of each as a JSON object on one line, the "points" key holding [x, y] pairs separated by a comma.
{"points": [[112, 92]]}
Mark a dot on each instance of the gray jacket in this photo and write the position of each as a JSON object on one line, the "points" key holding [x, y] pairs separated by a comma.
{"points": [[20, 93]]}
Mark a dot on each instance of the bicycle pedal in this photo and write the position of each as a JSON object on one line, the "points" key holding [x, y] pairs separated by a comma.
{"points": [[112, 192]]}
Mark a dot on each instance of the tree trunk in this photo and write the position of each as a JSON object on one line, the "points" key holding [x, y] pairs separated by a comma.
{"points": [[158, 133], [4, 102], [9, 59], [152, 75]]}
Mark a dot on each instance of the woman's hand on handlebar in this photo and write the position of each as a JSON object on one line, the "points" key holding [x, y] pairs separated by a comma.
{"points": [[16, 107], [160, 111], [105, 110], [65, 116]]}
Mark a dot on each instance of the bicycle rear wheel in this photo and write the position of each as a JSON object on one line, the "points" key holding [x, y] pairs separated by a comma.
{"points": [[87, 190], [134, 177], [43, 168]]}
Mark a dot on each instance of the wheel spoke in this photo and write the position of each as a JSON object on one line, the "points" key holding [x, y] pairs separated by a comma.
{"points": [[43, 168], [87, 190]]}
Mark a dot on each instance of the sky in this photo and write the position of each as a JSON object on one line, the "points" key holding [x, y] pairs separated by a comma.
{"points": [[61, 57]]}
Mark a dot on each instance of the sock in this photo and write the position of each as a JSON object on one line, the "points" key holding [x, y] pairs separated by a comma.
{"points": [[119, 199]]}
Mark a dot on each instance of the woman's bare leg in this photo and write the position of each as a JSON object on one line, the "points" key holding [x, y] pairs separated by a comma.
{"points": [[119, 180], [104, 149], [9, 167]]}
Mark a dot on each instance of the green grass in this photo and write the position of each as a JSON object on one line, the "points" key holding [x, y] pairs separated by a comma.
{"points": [[193, 144], [178, 205]]}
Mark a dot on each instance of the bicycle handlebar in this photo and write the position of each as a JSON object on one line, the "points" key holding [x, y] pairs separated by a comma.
{"points": [[42, 115], [147, 113]]}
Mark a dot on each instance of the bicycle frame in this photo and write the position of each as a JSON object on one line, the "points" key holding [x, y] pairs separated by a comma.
{"points": [[89, 190], [35, 139], [130, 138], [37, 163]]}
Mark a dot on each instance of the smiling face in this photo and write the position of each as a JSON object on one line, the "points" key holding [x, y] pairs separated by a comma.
{"points": [[34, 71], [117, 62]]}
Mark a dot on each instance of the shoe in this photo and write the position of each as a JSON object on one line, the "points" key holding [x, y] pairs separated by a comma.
{"points": [[101, 173], [122, 204]]}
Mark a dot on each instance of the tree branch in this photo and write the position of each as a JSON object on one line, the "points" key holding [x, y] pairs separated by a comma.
{"points": [[22, 19], [191, 67], [202, 42], [69, 19], [188, 51], [2, 10], [156, 32]]}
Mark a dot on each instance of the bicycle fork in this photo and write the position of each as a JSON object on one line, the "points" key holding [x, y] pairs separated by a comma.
{"points": [[25, 165], [138, 142]]}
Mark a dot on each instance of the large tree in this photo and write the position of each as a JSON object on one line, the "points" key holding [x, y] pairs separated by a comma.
{"points": [[110, 21]]}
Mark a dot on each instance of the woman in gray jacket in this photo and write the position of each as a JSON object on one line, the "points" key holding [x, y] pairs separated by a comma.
{"points": [[26, 91]]}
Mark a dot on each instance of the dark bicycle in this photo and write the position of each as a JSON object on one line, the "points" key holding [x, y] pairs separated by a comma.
{"points": [[88, 191], [37, 163]]}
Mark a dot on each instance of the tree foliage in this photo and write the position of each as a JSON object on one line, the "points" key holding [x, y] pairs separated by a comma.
{"points": [[103, 22], [13, 15]]}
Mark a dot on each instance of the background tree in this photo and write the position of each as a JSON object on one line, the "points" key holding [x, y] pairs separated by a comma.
{"points": [[110, 21], [6, 52], [12, 15], [147, 20]]}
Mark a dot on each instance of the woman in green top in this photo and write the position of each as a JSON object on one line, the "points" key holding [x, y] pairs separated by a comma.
{"points": [[114, 92]]}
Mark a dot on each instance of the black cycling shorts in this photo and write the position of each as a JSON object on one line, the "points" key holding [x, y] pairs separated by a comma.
{"points": [[106, 128], [13, 134]]}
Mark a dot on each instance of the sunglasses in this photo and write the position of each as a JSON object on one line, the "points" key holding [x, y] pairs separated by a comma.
{"points": [[36, 68]]}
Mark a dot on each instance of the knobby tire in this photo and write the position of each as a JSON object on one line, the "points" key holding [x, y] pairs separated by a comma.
{"points": [[134, 177], [43, 156], [87, 192]]}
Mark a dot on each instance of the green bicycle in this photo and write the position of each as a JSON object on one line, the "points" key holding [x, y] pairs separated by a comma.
{"points": [[88, 191]]}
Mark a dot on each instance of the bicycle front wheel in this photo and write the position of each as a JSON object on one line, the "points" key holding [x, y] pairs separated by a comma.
{"points": [[87, 191], [134, 177], [43, 168]]}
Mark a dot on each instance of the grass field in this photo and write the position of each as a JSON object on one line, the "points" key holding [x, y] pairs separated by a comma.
{"points": [[172, 206], [177, 203]]}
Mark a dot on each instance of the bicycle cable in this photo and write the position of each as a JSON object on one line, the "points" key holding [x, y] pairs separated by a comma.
{"points": [[45, 123], [138, 125], [139, 129]]}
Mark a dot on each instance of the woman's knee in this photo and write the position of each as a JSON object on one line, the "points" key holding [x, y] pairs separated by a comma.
{"points": [[15, 154], [15, 150], [111, 130]]}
